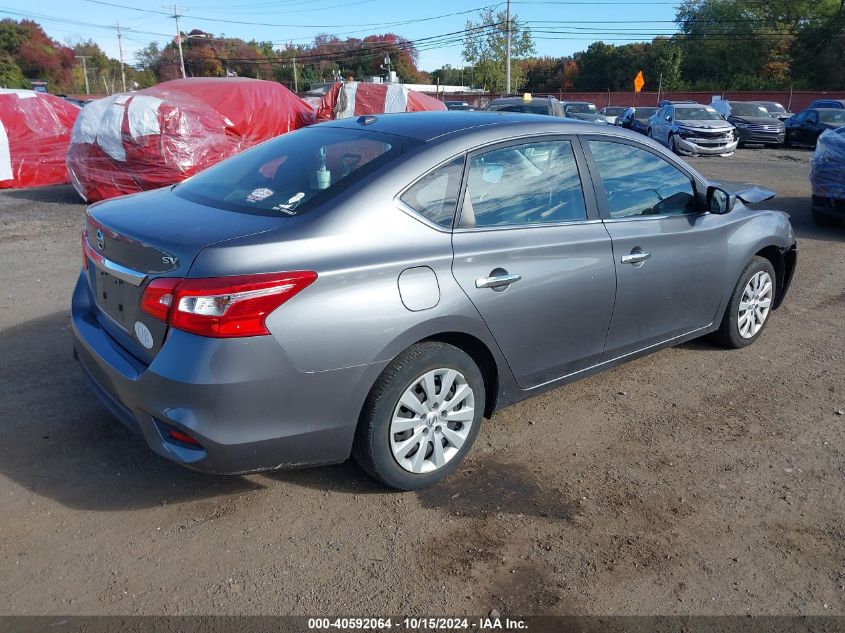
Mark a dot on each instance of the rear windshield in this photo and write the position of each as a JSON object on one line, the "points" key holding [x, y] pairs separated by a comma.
{"points": [[748, 109], [581, 108], [292, 173], [832, 116], [614, 111], [696, 113], [644, 113]]}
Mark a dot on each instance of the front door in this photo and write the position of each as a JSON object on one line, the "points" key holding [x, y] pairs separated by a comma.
{"points": [[669, 256], [534, 258]]}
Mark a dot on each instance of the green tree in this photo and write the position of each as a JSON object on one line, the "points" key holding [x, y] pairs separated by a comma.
{"points": [[819, 49], [485, 48]]}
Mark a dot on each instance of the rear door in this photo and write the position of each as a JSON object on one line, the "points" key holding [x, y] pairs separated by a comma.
{"points": [[669, 256], [534, 258]]}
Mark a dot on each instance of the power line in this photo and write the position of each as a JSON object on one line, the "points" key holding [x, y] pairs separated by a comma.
{"points": [[303, 26]]}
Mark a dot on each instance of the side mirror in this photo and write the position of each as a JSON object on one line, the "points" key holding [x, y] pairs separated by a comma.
{"points": [[719, 201], [669, 118]]}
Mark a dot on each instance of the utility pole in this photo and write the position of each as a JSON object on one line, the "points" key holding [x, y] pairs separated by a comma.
{"points": [[176, 15], [508, 54], [295, 80], [660, 88], [84, 72], [120, 48]]}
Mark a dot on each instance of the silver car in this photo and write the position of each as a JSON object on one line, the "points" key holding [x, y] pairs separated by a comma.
{"points": [[378, 286], [693, 129]]}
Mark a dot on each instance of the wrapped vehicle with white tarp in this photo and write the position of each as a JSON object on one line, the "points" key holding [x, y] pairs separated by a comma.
{"points": [[827, 178], [34, 136], [159, 136], [355, 98]]}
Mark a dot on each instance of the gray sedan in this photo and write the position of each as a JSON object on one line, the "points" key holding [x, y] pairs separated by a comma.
{"points": [[378, 286]]}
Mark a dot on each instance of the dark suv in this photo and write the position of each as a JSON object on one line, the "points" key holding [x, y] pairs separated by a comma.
{"points": [[529, 104]]}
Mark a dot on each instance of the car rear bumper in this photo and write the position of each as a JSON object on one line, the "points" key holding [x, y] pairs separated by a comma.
{"points": [[705, 148], [242, 399]]}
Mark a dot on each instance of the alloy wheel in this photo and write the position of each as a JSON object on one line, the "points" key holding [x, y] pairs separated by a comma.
{"points": [[432, 420], [755, 304]]}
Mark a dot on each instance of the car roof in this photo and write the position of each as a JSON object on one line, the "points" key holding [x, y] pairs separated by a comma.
{"points": [[578, 103], [427, 126]]}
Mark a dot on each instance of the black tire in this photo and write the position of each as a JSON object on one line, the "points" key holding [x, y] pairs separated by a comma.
{"points": [[672, 146], [728, 333], [371, 448], [823, 219]]}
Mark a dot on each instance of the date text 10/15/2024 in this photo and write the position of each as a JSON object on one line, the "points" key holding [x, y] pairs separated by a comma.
{"points": [[417, 624]]}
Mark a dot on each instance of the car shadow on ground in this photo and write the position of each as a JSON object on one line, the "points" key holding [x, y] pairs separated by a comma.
{"points": [[801, 215], [64, 194], [58, 441]]}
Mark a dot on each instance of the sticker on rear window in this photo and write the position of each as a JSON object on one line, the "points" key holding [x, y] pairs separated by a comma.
{"points": [[257, 195], [289, 206]]}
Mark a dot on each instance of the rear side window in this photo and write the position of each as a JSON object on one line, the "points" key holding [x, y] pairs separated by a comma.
{"points": [[435, 195], [534, 183], [639, 183]]}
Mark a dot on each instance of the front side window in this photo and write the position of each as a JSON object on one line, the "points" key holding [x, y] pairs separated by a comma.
{"points": [[639, 183], [435, 195], [533, 183]]}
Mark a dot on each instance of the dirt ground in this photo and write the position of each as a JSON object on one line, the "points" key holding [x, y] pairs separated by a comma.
{"points": [[694, 481]]}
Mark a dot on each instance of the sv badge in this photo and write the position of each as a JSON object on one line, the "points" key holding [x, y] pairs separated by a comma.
{"points": [[170, 261]]}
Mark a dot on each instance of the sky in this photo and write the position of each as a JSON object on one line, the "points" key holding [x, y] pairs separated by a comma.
{"points": [[559, 27]]}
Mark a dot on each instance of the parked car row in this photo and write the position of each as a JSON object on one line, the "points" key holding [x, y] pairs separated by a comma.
{"points": [[719, 128]]}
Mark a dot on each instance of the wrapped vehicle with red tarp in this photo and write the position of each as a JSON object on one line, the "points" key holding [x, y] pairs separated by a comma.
{"points": [[34, 136], [354, 98], [158, 136]]}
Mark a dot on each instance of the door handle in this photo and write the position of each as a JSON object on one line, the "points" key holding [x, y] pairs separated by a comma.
{"points": [[635, 258], [499, 281]]}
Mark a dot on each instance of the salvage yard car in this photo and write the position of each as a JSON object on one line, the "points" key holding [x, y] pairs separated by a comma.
{"points": [[527, 104], [636, 119], [377, 286], [752, 121], [693, 129], [805, 127]]}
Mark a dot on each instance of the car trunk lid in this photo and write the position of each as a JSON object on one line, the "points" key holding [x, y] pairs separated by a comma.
{"points": [[131, 240]]}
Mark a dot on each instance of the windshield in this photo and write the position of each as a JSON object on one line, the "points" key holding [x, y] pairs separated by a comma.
{"points": [[614, 111], [581, 108], [832, 116], [748, 109], [644, 113], [292, 173], [775, 108], [697, 113]]}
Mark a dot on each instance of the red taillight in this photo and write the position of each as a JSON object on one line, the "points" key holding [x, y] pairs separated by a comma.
{"points": [[158, 297], [222, 306], [84, 249], [182, 437]]}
